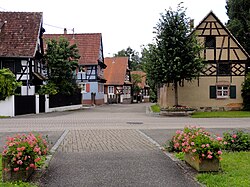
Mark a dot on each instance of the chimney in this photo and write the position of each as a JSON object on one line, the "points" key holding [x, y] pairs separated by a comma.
{"points": [[65, 31]]}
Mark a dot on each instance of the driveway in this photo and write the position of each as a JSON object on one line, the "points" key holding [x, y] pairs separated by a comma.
{"points": [[112, 145]]}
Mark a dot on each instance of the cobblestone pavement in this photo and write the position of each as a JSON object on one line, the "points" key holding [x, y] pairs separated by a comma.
{"points": [[104, 141]]}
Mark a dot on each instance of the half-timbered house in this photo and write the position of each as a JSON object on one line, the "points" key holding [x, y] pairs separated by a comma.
{"points": [[219, 84], [117, 89], [21, 47], [91, 64]]}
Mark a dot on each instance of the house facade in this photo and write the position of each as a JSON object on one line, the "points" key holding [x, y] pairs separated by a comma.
{"points": [[219, 84], [143, 95], [21, 48], [117, 89], [89, 75]]}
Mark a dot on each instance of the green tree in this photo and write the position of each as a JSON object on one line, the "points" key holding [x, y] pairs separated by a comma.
{"points": [[151, 66], [177, 52], [238, 12], [245, 93], [134, 59], [62, 61], [8, 83]]}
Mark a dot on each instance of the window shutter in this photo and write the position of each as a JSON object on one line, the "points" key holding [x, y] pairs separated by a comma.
{"points": [[87, 87], [233, 92], [212, 92]]}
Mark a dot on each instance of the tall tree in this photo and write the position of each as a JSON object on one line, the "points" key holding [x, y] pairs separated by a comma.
{"points": [[151, 66], [177, 52], [245, 93], [134, 59], [62, 61], [238, 12]]}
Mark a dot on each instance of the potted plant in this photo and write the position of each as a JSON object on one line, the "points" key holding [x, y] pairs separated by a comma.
{"points": [[202, 150], [21, 155]]}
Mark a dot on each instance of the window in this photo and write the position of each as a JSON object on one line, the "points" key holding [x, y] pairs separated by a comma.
{"points": [[111, 90], [210, 42], [83, 88], [224, 69], [222, 91]]}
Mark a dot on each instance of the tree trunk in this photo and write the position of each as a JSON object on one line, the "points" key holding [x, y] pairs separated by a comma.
{"points": [[176, 93]]}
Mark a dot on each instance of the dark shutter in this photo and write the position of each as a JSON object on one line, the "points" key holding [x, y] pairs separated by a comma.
{"points": [[212, 92], [233, 92]]}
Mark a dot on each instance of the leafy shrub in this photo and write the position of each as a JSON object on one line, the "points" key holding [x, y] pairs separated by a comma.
{"points": [[49, 88], [24, 151], [237, 141], [8, 83]]}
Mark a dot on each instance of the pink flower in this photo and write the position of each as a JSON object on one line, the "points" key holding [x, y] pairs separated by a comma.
{"points": [[219, 138], [32, 165], [203, 155], [16, 169], [233, 141], [192, 143], [225, 143], [194, 150], [219, 152], [36, 149], [203, 145], [178, 132], [176, 145], [27, 168], [37, 159], [207, 145], [6, 169], [234, 136], [20, 162], [209, 156]]}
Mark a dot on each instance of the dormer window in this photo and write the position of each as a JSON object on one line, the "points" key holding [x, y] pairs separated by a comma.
{"points": [[210, 42]]}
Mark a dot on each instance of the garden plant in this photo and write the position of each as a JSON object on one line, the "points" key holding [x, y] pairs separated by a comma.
{"points": [[23, 153]]}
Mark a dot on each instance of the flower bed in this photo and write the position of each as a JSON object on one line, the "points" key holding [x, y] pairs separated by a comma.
{"points": [[21, 156], [198, 145]]}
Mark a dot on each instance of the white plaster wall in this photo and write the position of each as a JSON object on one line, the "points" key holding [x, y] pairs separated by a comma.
{"points": [[7, 107]]}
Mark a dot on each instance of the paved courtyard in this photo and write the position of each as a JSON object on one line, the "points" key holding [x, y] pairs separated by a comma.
{"points": [[112, 145]]}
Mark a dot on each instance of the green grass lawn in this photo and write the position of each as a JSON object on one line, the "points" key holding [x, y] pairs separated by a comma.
{"points": [[235, 171], [11, 184], [221, 114], [155, 108]]}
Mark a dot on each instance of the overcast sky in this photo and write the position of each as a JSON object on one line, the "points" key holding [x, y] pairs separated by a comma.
{"points": [[122, 23]]}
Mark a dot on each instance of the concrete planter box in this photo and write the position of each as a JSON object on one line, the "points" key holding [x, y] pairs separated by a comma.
{"points": [[21, 175], [175, 113], [205, 165]]}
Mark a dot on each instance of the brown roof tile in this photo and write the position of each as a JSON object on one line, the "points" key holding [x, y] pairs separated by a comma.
{"points": [[19, 33], [88, 45], [116, 70]]}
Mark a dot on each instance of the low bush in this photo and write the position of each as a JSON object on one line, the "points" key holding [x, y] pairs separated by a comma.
{"points": [[237, 141]]}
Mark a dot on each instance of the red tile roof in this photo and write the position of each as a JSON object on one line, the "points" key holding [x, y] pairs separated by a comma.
{"points": [[115, 71], [19, 33], [87, 44], [143, 75]]}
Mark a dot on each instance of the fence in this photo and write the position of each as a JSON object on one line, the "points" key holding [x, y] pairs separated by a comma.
{"points": [[60, 100], [33, 104]]}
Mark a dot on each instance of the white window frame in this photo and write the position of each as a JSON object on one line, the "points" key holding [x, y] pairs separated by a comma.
{"points": [[222, 91], [111, 90], [83, 87]]}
